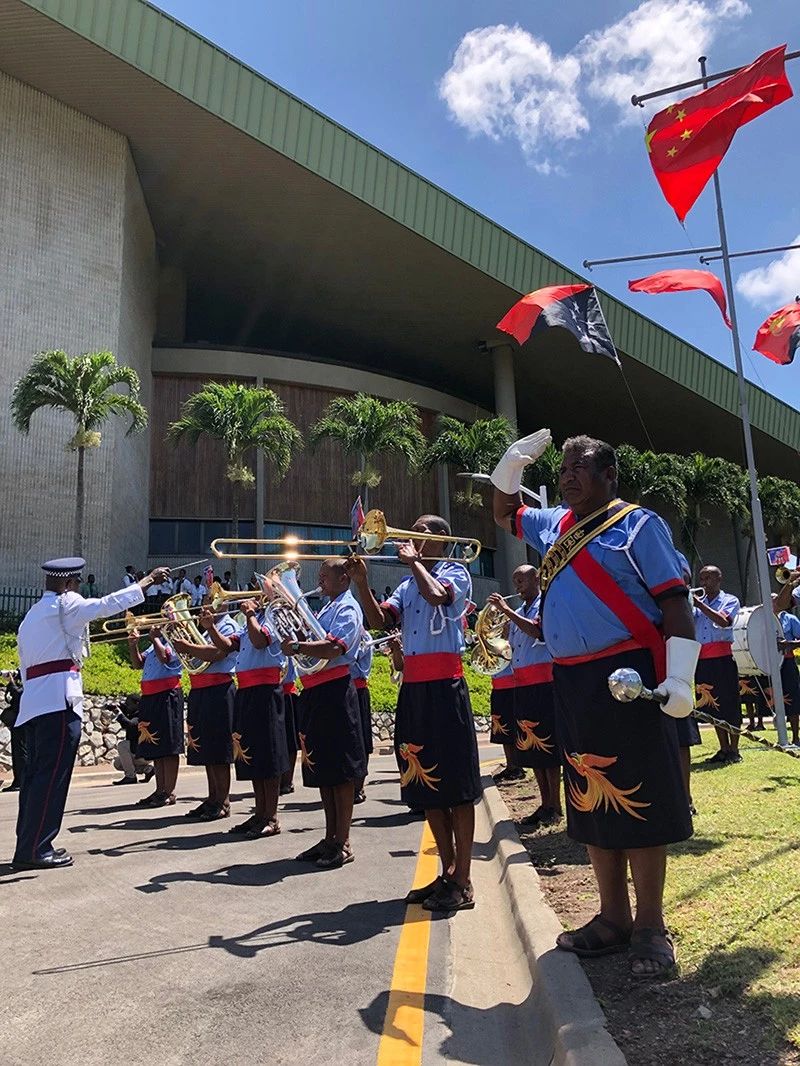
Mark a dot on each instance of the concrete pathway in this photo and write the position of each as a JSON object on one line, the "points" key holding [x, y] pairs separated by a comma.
{"points": [[172, 942]]}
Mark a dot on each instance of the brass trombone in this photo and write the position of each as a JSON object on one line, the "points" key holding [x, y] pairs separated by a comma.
{"points": [[371, 537]]}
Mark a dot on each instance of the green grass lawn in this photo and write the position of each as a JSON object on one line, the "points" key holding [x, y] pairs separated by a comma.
{"points": [[733, 891]]}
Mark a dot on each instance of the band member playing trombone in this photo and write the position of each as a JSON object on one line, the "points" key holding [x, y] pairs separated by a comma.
{"points": [[612, 596], [260, 752], [534, 722], [209, 719], [359, 671], [717, 679], [160, 713], [331, 739], [434, 736]]}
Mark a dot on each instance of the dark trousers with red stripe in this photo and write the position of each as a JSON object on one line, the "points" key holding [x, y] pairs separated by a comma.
{"points": [[52, 741]]}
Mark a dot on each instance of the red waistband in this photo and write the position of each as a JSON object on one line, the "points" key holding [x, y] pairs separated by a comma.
{"points": [[161, 684], [205, 680], [55, 666], [265, 675], [436, 666], [537, 674], [290, 689], [718, 649], [360, 682], [332, 674], [788, 655], [498, 683], [614, 649]]}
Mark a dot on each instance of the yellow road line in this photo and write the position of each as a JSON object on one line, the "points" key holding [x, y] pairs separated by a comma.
{"points": [[401, 1040]]}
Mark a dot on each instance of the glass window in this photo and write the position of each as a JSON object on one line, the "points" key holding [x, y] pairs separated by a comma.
{"points": [[162, 537], [189, 539]]}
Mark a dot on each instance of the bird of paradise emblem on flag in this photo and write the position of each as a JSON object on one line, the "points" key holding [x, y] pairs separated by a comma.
{"points": [[415, 771], [600, 792], [240, 753], [305, 756], [528, 740], [145, 736], [704, 696], [745, 687], [497, 726], [192, 743]]}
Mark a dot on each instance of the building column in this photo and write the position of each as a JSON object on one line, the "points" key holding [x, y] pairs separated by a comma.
{"points": [[260, 481], [511, 552], [171, 305], [443, 491]]}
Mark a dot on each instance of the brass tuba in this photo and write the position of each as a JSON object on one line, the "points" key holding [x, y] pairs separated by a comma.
{"points": [[490, 652], [288, 611]]}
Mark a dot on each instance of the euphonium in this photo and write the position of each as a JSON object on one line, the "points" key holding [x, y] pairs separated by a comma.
{"points": [[290, 614], [784, 574], [490, 652], [181, 623]]}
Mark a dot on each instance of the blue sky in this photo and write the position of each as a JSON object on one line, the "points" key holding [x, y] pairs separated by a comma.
{"points": [[520, 110]]}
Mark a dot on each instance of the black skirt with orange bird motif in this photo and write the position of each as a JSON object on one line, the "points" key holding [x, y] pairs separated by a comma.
{"points": [[501, 709], [209, 724], [435, 745], [622, 773], [160, 717], [534, 734], [330, 732], [716, 689], [260, 751]]}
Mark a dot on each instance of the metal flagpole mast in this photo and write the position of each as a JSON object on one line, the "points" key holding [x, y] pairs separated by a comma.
{"points": [[759, 535]]}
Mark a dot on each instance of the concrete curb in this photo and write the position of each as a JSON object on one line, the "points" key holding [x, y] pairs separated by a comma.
{"points": [[570, 1015]]}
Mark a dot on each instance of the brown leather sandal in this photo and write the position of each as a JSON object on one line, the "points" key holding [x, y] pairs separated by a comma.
{"points": [[587, 942], [645, 949]]}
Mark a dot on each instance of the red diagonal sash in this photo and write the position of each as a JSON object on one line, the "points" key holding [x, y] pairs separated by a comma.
{"points": [[603, 585]]}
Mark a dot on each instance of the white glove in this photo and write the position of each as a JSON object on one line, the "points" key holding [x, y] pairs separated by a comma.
{"points": [[682, 656], [507, 475]]}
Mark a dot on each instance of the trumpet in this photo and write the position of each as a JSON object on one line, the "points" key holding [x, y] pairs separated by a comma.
{"points": [[373, 534]]}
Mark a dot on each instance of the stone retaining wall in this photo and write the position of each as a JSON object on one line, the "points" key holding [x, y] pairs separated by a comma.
{"points": [[101, 730]]}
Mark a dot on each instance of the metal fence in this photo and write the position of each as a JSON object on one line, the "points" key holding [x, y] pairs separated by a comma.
{"points": [[14, 602]]}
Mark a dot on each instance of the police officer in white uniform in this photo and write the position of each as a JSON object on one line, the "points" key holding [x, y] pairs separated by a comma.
{"points": [[52, 642]]}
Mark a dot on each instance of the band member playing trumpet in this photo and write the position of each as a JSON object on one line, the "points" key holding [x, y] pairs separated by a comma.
{"points": [[501, 707], [209, 720], [359, 671], [434, 736], [534, 722], [290, 694], [260, 752], [331, 739], [717, 679], [612, 596], [160, 713]]}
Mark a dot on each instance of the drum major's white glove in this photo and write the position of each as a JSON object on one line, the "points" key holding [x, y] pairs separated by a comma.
{"points": [[682, 656], [507, 475]]}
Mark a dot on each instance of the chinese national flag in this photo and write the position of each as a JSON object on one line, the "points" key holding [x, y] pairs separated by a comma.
{"points": [[779, 337], [686, 141]]}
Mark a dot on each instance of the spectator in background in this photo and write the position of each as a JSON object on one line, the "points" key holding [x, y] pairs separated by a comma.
{"points": [[182, 584], [90, 589], [387, 592], [127, 760], [130, 575], [226, 581], [198, 592], [8, 716]]}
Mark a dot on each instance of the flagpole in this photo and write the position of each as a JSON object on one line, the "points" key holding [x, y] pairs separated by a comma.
{"points": [[759, 535]]}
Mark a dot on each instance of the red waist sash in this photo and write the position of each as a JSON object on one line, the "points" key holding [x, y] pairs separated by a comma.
{"points": [[160, 684], [290, 688], [717, 649], [498, 683], [788, 655], [265, 675], [437, 666], [209, 680], [537, 674], [613, 649], [320, 678], [55, 666], [360, 682]]}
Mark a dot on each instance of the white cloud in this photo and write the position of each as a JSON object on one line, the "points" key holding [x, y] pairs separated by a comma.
{"points": [[505, 83], [775, 284], [656, 44]]}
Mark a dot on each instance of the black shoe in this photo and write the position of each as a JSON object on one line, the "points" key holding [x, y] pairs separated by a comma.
{"points": [[718, 759], [286, 790], [13, 787], [148, 773], [195, 812], [126, 781], [315, 852], [360, 797], [692, 810], [733, 757], [51, 862], [419, 895]]}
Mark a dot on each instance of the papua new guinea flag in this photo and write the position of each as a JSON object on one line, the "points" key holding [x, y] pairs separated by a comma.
{"points": [[779, 337], [572, 307]]}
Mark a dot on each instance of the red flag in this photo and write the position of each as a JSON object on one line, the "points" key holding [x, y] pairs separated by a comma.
{"points": [[521, 319], [687, 141], [779, 337], [684, 281]]}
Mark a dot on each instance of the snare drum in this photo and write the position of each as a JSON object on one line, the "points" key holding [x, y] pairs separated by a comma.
{"points": [[754, 648]]}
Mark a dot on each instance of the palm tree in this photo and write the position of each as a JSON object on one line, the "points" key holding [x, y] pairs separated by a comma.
{"points": [[82, 386], [472, 448], [545, 471], [244, 418], [780, 504], [368, 427], [647, 475], [708, 482]]}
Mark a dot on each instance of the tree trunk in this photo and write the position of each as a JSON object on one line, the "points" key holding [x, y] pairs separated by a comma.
{"points": [[77, 536], [235, 533], [365, 487]]}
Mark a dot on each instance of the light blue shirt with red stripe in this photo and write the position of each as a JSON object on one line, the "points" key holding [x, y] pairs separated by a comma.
{"points": [[525, 650], [637, 553], [252, 658], [154, 670], [790, 626], [426, 629], [344, 624], [227, 627], [362, 664], [708, 632]]}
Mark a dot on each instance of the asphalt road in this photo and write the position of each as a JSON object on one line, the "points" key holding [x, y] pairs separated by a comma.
{"points": [[173, 942]]}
